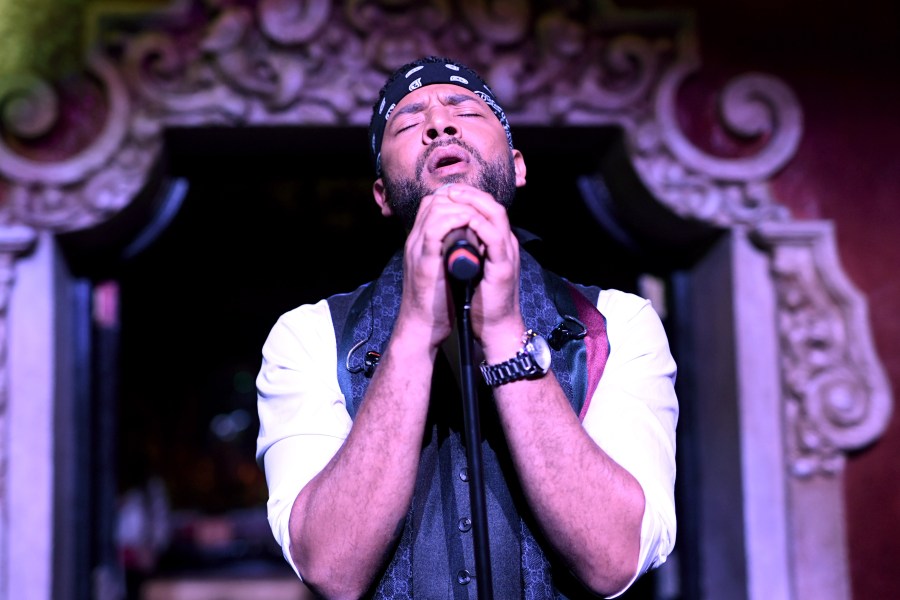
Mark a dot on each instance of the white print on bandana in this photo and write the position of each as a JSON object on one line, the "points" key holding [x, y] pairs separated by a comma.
{"points": [[415, 84], [459, 79], [389, 111], [452, 67], [413, 70], [489, 101]]}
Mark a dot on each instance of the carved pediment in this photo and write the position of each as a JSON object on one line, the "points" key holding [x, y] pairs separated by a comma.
{"points": [[70, 161], [287, 62], [290, 62]]}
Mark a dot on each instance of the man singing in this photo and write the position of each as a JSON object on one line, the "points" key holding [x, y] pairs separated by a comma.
{"points": [[361, 432]]}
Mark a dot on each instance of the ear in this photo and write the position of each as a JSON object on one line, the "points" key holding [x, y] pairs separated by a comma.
{"points": [[519, 163], [380, 195]]}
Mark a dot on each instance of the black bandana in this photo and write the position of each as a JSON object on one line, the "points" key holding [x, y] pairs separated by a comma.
{"points": [[427, 74]]}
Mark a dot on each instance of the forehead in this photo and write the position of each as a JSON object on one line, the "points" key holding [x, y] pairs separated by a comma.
{"points": [[446, 93]]}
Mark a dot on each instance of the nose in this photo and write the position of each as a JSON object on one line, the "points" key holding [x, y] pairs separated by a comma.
{"points": [[440, 123]]}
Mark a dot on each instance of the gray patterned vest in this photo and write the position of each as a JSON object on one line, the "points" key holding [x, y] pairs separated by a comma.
{"points": [[435, 555]]}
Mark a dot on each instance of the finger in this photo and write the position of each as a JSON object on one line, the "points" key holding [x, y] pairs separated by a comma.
{"points": [[482, 202], [490, 221], [438, 215]]}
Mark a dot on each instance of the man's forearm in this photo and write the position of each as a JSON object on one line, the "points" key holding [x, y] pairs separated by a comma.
{"points": [[589, 507], [346, 519]]}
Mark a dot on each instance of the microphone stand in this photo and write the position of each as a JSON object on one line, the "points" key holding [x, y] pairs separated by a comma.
{"points": [[472, 425]]}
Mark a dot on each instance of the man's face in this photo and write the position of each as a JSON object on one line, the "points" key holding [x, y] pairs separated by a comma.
{"points": [[443, 134], [498, 178]]}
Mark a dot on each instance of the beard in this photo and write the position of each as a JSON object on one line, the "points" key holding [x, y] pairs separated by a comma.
{"points": [[497, 178]]}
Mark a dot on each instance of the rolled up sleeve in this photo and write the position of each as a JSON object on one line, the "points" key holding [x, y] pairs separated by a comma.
{"points": [[633, 415], [302, 412]]}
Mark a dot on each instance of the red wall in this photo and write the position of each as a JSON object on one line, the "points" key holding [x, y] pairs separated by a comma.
{"points": [[848, 170], [843, 62]]}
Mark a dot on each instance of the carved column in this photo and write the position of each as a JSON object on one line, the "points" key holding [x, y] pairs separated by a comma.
{"points": [[835, 395], [14, 241]]}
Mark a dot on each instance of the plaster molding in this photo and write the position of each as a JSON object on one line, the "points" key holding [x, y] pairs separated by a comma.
{"points": [[721, 191], [836, 395], [88, 185], [14, 240], [322, 62]]}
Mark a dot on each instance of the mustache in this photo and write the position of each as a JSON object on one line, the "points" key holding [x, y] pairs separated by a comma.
{"points": [[420, 163]]}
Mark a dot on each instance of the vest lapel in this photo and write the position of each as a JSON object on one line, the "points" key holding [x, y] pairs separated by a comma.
{"points": [[363, 322]]}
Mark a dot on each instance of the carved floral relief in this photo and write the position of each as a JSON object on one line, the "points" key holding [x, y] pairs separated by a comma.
{"points": [[246, 64]]}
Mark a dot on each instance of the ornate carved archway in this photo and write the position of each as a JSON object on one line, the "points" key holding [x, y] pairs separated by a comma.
{"points": [[74, 155]]}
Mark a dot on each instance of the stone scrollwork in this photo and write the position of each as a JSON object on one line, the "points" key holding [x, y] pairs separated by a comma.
{"points": [[43, 111], [836, 395], [293, 21], [76, 190], [721, 191], [751, 105], [400, 17], [315, 61], [29, 107], [498, 21], [71, 164], [586, 63]]}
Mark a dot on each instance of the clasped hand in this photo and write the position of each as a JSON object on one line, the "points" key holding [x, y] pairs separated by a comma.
{"points": [[426, 297]]}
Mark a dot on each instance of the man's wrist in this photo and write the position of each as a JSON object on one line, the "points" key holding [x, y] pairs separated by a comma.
{"points": [[531, 361], [414, 338], [502, 341]]}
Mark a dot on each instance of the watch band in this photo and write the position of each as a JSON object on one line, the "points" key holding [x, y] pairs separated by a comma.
{"points": [[533, 360]]}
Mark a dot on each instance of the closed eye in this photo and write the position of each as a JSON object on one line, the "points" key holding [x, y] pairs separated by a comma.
{"points": [[401, 127]]}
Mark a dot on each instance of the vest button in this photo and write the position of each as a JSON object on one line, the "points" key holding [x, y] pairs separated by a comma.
{"points": [[464, 473], [465, 524], [463, 577]]}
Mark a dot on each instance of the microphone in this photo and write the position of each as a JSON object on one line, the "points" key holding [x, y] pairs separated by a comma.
{"points": [[461, 255]]}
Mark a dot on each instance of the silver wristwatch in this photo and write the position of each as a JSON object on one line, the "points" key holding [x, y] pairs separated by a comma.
{"points": [[531, 362]]}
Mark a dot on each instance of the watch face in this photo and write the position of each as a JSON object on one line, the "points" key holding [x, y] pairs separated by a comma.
{"points": [[539, 350]]}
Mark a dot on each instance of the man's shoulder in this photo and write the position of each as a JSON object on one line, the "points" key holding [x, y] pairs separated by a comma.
{"points": [[341, 304], [325, 306], [302, 317], [347, 299], [615, 303]]}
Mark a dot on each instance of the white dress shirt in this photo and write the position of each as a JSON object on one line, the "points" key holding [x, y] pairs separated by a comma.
{"points": [[631, 416]]}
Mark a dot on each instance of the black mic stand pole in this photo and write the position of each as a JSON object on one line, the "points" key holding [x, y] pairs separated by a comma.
{"points": [[472, 424]]}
